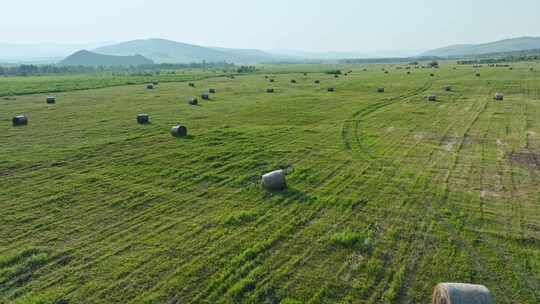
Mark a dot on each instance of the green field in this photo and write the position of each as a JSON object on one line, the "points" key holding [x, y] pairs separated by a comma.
{"points": [[388, 194]]}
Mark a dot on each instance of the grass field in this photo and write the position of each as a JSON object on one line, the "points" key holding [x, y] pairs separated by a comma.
{"points": [[388, 194]]}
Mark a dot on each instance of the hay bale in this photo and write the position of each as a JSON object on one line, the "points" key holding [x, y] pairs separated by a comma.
{"points": [[432, 98], [270, 90], [193, 101], [477, 74], [274, 180], [51, 99], [317, 81], [213, 91], [271, 80], [205, 96], [460, 293], [179, 131], [499, 97], [331, 89], [380, 90], [191, 84], [150, 87], [20, 120], [143, 118], [432, 75], [293, 81]]}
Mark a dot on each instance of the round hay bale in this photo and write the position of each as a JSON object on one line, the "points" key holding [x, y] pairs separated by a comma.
{"points": [[432, 98], [150, 87], [193, 101], [460, 293], [499, 97], [51, 99], [205, 96], [20, 120], [179, 131], [331, 89], [143, 118], [380, 90], [213, 91], [270, 90], [274, 180]]}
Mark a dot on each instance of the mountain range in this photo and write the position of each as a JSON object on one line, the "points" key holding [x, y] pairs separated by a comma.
{"points": [[167, 51], [501, 46]]}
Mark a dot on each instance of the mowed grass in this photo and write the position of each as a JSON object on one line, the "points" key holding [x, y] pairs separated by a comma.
{"points": [[388, 194]]}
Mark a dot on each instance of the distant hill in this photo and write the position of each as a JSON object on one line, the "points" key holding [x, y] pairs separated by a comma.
{"points": [[502, 46], [42, 53], [167, 51], [87, 58]]}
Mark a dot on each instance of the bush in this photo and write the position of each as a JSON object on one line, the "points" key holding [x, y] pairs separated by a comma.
{"points": [[334, 72], [433, 64]]}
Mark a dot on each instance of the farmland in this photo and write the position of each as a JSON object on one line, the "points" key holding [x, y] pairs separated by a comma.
{"points": [[388, 193]]}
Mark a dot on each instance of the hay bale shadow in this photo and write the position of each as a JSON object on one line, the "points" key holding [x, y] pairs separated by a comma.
{"points": [[292, 193]]}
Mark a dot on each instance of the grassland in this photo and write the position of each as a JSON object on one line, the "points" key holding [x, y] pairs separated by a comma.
{"points": [[388, 194]]}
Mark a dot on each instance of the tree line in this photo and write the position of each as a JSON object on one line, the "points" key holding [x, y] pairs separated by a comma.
{"points": [[151, 69]]}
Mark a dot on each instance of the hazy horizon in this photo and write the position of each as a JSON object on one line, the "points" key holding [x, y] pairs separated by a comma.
{"points": [[315, 26]]}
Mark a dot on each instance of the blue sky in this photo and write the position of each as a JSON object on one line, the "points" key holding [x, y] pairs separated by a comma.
{"points": [[339, 25]]}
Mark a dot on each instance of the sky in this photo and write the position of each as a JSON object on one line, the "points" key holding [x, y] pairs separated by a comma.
{"points": [[309, 25]]}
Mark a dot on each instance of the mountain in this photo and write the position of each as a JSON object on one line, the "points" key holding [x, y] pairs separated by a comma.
{"points": [[41, 53], [502, 46], [88, 58], [167, 51]]}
